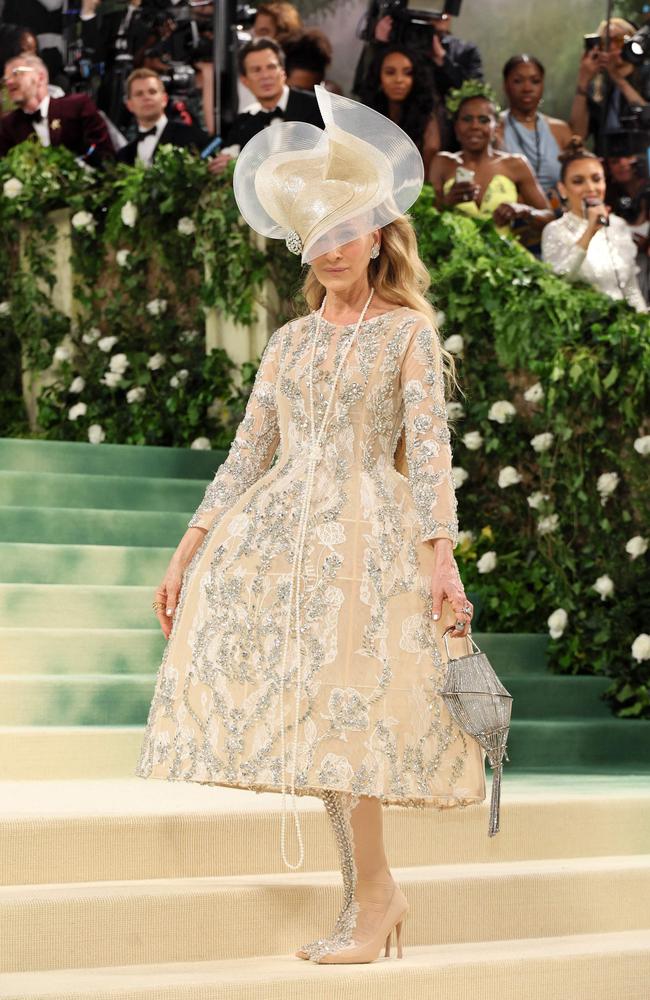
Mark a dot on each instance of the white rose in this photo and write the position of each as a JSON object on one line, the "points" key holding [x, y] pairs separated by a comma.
{"points": [[508, 476], [129, 214], [155, 362], [455, 411], [78, 384], [111, 379], [607, 483], [465, 537], [536, 499], [157, 307], [96, 434], [78, 410], [188, 336], [473, 440], [641, 647], [122, 257], [201, 444], [12, 187], [459, 476], [487, 562], [185, 226], [174, 383], [62, 353], [5, 308], [92, 336], [82, 220], [642, 445], [501, 411], [604, 586], [542, 442], [106, 344], [547, 525], [440, 318], [637, 546], [119, 363], [534, 393], [454, 344], [557, 622], [136, 394]]}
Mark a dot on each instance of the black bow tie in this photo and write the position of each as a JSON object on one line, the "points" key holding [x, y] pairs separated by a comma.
{"points": [[144, 135], [266, 117], [33, 116]]}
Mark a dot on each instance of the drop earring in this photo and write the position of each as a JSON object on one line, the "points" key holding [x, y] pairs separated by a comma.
{"points": [[374, 251]]}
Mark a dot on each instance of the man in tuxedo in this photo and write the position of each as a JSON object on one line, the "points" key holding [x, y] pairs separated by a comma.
{"points": [[146, 99], [261, 68], [72, 121]]}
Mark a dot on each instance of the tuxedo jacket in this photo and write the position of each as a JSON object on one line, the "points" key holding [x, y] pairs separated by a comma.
{"points": [[188, 136], [74, 122], [302, 106]]}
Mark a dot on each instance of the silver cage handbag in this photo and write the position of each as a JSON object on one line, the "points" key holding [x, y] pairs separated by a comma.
{"points": [[479, 703]]}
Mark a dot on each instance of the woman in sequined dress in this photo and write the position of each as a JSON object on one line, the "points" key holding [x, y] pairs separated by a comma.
{"points": [[305, 605]]}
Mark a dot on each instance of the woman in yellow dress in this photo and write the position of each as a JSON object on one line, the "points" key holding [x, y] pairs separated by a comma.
{"points": [[305, 605], [480, 180]]}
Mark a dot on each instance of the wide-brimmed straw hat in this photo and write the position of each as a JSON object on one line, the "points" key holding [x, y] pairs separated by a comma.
{"points": [[318, 189]]}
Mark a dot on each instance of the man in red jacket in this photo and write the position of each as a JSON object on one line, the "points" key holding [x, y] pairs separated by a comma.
{"points": [[71, 121]]}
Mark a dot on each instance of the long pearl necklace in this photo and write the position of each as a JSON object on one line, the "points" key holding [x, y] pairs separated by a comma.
{"points": [[294, 592]]}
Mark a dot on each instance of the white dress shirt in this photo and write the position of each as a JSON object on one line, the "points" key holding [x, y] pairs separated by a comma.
{"points": [[147, 146], [42, 128]]}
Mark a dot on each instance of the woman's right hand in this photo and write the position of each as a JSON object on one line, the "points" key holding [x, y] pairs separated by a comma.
{"points": [[461, 191], [167, 596], [594, 213]]}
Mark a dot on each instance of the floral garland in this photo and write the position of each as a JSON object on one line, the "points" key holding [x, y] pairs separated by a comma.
{"points": [[467, 90]]}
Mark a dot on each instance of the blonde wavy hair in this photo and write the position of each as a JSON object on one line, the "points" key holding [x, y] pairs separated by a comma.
{"points": [[400, 277]]}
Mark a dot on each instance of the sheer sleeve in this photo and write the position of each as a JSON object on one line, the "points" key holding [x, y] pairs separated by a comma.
{"points": [[561, 251], [254, 446], [428, 448]]}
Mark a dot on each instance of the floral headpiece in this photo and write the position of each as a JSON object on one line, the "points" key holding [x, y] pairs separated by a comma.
{"points": [[467, 90]]}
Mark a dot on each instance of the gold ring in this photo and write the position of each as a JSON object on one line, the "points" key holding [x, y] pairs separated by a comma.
{"points": [[157, 606]]}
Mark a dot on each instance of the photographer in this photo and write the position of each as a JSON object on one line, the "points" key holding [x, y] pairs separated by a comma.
{"points": [[109, 37], [608, 86], [628, 192], [452, 60]]}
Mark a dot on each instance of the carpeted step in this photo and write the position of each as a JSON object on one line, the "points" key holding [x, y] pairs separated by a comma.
{"points": [[55, 489], [555, 696], [75, 526], [37, 752], [96, 699], [141, 829], [106, 459], [571, 967], [25, 562], [193, 919], [77, 651], [65, 605]]}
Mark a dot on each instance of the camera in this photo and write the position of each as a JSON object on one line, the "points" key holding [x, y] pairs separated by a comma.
{"points": [[413, 25], [637, 48]]}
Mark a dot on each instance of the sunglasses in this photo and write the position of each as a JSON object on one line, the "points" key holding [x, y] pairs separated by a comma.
{"points": [[16, 71]]}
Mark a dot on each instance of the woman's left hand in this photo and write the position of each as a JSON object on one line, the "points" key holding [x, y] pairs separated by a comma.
{"points": [[448, 586], [507, 211]]}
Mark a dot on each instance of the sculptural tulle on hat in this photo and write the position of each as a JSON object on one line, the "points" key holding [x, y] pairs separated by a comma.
{"points": [[318, 189]]}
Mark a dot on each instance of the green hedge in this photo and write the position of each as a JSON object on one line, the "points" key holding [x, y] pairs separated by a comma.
{"points": [[568, 369]]}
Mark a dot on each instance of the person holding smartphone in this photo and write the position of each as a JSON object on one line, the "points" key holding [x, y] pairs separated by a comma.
{"points": [[589, 243], [608, 86], [483, 181]]}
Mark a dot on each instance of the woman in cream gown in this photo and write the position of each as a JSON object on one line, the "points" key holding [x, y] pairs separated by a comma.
{"points": [[304, 657]]}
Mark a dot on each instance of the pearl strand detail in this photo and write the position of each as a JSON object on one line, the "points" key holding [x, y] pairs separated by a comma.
{"points": [[294, 590]]}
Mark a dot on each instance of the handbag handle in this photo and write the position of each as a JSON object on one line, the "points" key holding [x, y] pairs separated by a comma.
{"points": [[452, 628]]}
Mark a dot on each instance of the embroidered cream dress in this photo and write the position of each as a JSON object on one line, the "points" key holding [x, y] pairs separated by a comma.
{"points": [[371, 720]]}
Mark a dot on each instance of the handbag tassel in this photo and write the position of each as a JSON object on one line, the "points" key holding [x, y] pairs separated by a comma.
{"points": [[495, 800]]}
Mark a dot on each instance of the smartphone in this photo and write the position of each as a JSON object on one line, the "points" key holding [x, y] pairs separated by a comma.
{"points": [[591, 42], [213, 147], [464, 176]]}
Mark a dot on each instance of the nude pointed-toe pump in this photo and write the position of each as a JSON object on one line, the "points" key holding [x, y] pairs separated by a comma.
{"points": [[370, 950]]}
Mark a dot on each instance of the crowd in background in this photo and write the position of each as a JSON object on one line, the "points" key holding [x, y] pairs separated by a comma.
{"points": [[117, 81]]}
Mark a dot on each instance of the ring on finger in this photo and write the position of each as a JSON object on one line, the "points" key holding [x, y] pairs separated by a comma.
{"points": [[461, 625], [467, 610]]}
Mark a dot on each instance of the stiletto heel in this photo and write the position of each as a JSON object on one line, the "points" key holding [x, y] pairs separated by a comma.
{"points": [[398, 930], [387, 952]]}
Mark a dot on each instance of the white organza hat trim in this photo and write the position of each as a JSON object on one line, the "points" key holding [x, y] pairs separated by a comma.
{"points": [[327, 186]]}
